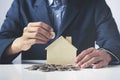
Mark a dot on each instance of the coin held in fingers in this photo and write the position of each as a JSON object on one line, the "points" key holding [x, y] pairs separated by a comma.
{"points": [[53, 35]]}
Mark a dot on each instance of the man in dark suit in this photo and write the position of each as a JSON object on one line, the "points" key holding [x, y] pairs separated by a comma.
{"points": [[29, 23]]}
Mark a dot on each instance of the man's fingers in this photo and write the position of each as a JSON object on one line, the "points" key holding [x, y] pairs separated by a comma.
{"points": [[87, 58], [93, 56], [46, 27], [91, 61], [100, 65], [45, 33], [42, 25], [35, 41], [38, 30], [40, 37], [83, 54], [36, 33], [33, 24]]}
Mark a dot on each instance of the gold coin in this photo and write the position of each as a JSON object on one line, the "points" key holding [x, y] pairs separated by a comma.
{"points": [[53, 35]]}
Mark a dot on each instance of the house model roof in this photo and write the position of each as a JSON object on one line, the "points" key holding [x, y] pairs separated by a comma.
{"points": [[60, 41]]}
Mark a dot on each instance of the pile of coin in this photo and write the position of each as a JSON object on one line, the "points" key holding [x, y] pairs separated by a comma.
{"points": [[52, 67]]}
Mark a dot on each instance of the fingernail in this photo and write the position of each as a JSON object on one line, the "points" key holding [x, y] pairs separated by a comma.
{"points": [[76, 65], [83, 66], [94, 67], [76, 60]]}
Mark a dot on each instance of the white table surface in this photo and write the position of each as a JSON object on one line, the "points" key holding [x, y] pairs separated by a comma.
{"points": [[18, 72]]}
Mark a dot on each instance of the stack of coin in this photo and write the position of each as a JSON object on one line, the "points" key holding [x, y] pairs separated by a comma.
{"points": [[53, 67]]}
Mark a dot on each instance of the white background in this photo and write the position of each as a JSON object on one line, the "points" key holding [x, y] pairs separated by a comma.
{"points": [[114, 5], [4, 6]]}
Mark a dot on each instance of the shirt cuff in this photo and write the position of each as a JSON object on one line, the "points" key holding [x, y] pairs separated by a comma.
{"points": [[115, 59]]}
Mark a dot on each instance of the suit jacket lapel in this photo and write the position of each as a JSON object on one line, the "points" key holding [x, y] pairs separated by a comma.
{"points": [[41, 11], [70, 15]]}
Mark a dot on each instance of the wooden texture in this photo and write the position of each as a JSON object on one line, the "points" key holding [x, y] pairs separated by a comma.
{"points": [[61, 52]]}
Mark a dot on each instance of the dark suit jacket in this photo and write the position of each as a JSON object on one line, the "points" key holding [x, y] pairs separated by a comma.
{"points": [[86, 21]]}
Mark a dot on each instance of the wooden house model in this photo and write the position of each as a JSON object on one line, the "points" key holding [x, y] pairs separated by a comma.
{"points": [[61, 52]]}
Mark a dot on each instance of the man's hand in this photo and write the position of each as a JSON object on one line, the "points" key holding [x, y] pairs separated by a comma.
{"points": [[34, 33], [92, 56]]}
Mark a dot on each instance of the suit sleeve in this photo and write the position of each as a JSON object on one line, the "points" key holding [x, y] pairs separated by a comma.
{"points": [[9, 31], [108, 36]]}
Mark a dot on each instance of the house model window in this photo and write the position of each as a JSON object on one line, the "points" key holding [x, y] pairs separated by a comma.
{"points": [[61, 52]]}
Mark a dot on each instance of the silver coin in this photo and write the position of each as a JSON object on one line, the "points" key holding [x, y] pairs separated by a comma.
{"points": [[53, 35], [53, 67]]}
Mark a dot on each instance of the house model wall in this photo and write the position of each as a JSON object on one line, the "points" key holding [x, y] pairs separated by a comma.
{"points": [[61, 51]]}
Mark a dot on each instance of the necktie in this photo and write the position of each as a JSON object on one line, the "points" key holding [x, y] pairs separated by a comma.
{"points": [[57, 3], [58, 12]]}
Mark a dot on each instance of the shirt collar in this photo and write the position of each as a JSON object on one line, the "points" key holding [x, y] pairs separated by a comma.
{"points": [[51, 2]]}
